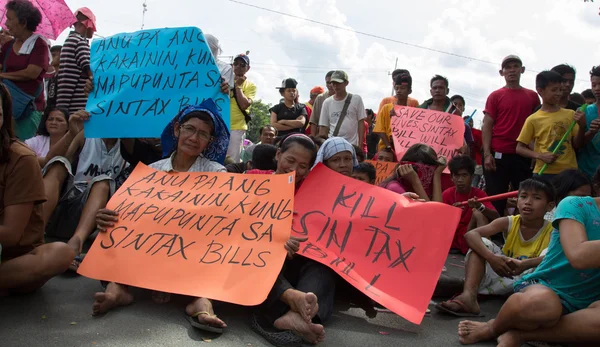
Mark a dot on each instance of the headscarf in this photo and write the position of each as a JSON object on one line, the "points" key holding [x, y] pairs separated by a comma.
{"points": [[217, 149], [89, 23], [333, 146]]}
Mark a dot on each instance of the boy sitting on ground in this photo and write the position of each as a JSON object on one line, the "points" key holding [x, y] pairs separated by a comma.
{"points": [[476, 214], [365, 172], [490, 270]]}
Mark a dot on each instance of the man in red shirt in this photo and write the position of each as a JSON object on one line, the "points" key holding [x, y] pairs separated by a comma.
{"points": [[505, 112]]}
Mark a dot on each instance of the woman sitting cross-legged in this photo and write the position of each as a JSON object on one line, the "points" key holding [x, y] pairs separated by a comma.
{"points": [[196, 141]]}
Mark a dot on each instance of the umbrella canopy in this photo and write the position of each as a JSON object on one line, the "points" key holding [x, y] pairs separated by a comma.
{"points": [[56, 17]]}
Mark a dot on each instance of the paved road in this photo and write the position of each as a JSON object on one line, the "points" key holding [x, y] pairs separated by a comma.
{"points": [[59, 315]]}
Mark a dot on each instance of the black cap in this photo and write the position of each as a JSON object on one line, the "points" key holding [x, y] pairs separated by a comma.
{"points": [[288, 83]]}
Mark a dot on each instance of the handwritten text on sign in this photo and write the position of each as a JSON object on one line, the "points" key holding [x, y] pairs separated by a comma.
{"points": [[200, 234], [143, 79], [441, 131], [384, 170], [385, 245]]}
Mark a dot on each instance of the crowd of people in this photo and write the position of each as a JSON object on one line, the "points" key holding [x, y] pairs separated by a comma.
{"points": [[542, 248]]}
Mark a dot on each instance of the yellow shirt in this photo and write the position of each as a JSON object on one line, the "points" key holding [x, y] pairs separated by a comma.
{"points": [[516, 247], [393, 100], [383, 123], [237, 120], [547, 129]]}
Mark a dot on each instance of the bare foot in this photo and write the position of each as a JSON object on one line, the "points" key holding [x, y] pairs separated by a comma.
{"points": [[303, 303], [470, 304], [204, 305], [115, 295], [75, 244], [470, 332], [311, 333], [510, 338], [161, 297]]}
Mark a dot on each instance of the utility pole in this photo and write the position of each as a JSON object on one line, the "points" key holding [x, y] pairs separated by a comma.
{"points": [[389, 73]]}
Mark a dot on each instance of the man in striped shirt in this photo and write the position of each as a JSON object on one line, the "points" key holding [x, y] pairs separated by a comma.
{"points": [[75, 63]]}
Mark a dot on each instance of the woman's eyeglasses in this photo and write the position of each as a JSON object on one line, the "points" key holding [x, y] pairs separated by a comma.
{"points": [[188, 131]]}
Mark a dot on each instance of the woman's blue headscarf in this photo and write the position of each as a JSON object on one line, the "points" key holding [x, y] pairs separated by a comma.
{"points": [[333, 146], [217, 149]]}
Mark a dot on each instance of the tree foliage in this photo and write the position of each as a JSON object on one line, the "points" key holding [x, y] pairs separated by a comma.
{"points": [[261, 118]]}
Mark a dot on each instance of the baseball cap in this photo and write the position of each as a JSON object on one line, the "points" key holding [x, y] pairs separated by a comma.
{"points": [[339, 76], [288, 83], [510, 58], [243, 57], [317, 90]]}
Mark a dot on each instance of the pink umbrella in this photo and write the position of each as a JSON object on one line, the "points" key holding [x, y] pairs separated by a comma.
{"points": [[56, 17]]}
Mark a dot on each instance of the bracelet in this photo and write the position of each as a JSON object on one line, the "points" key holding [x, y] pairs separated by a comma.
{"points": [[486, 155], [481, 208]]}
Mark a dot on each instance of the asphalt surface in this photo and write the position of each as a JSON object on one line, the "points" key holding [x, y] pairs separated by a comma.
{"points": [[59, 314]]}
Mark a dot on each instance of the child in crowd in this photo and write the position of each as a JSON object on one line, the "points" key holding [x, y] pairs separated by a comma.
{"points": [[27, 263], [490, 270], [262, 157], [569, 183], [365, 172], [387, 155], [559, 301], [419, 171], [588, 156], [476, 214], [548, 126]]}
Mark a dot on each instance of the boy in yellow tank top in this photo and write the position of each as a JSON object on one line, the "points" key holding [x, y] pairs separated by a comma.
{"points": [[490, 270]]}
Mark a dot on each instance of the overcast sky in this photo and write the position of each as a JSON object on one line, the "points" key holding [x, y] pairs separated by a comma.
{"points": [[544, 33]]}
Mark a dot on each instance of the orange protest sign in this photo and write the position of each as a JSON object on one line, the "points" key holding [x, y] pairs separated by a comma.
{"points": [[384, 170], [214, 235], [441, 131], [385, 245]]}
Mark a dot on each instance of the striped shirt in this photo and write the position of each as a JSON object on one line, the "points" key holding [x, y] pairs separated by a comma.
{"points": [[74, 62]]}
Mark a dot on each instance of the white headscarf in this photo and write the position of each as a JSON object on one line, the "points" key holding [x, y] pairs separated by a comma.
{"points": [[333, 146]]}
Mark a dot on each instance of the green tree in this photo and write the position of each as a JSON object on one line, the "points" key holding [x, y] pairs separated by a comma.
{"points": [[261, 118]]}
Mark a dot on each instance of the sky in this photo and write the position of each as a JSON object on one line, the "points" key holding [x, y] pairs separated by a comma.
{"points": [[543, 33]]}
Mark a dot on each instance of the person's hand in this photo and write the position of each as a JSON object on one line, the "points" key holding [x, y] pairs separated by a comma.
{"points": [[579, 117], [413, 196], [489, 162], [239, 80], [443, 163], [473, 203], [292, 246], [224, 87], [5, 37], [76, 121], [548, 157], [516, 266], [407, 172], [106, 218], [500, 265], [89, 86], [595, 126]]}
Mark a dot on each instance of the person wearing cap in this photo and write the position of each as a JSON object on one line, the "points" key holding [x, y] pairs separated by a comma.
{"points": [[393, 99], [506, 110], [288, 116], [241, 98], [316, 91], [318, 105], [75, 63], [351, 125]]}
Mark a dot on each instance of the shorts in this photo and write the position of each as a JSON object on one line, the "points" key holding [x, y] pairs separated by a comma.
{"points": [[521, 286], [65, 218]]}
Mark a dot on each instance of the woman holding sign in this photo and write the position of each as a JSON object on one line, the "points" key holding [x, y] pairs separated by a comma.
{"points": [[194, 141]]}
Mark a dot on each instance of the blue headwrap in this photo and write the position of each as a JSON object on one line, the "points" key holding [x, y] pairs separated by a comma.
{"points": [[333, 146], [217, 149]]}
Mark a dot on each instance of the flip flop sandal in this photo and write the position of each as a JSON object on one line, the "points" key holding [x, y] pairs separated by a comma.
{"points": [[457, 314], [284, 338], [206, 327], [78, 259]]}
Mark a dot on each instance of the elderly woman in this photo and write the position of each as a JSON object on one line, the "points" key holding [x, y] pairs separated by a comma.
{"points": [[25, 60], [195, 141]]}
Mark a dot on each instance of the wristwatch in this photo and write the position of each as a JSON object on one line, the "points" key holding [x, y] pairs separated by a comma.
{"points": [[481, 208]]}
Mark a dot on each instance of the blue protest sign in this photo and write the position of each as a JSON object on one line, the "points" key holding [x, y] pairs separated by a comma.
{"points": [[143, 79]]}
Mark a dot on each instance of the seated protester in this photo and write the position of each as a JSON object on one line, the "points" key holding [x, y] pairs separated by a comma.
{"points": [[263, 158], [569, 183], [266, 135], [548, 125], [338, 155], [365, 172], [360, 155], [476, 214], [419, 171], [288, 116], [561, 297], [490, 270], [386, 155], [194, 141], [578, 328], [26, 262], [55, 134]]}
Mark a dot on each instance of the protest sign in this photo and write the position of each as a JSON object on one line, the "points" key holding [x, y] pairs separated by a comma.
{"points": [[390, 248], [441, 131], [214, 235], [384, 170], [143, 79]]}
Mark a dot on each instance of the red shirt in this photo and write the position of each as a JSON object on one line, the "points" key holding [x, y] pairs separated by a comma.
{"points": [[509, 108], [39, 56], [308, 114], [478, 138], [450, 196]]}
